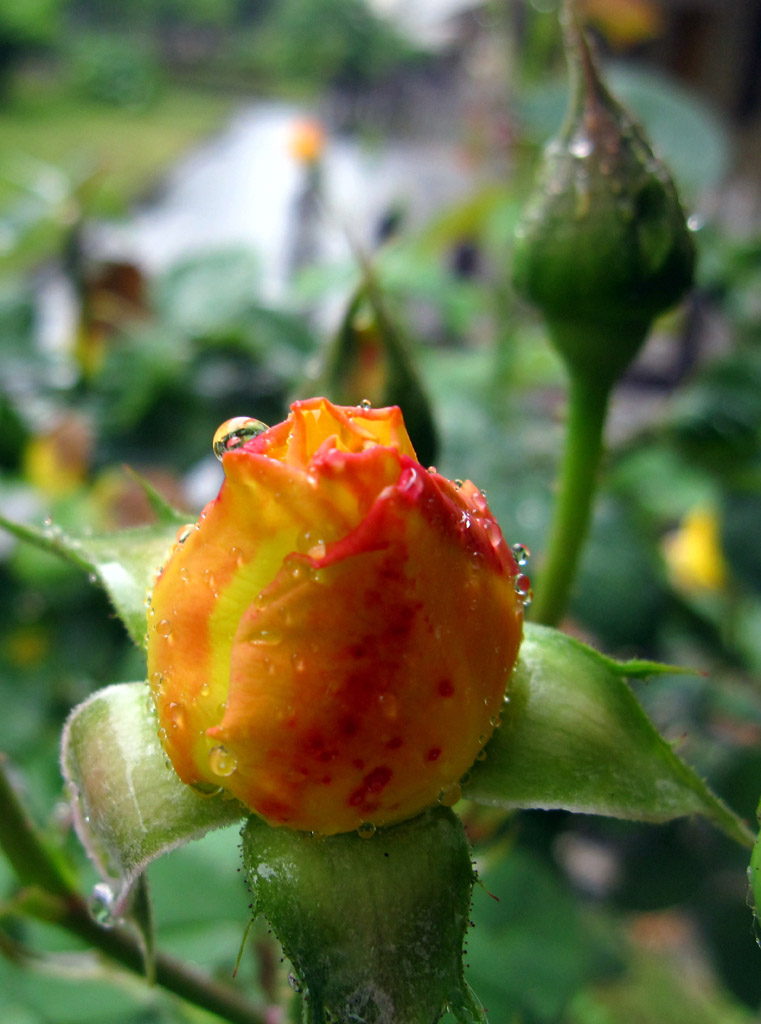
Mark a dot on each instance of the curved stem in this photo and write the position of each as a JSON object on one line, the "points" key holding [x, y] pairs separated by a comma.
{"points": [[36, 866], [587, 409]]}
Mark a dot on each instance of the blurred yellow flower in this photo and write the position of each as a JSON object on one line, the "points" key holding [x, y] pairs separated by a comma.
{"points": [[56, 462], [624, 23], [693, 552]]}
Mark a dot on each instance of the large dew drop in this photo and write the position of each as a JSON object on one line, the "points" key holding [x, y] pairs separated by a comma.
{"points": [[234, 433], [222, 762], [101, 905], [450, 795], [521, 554]]}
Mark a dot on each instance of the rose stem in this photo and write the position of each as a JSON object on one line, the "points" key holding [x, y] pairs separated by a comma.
{"points": [[37, 867]]}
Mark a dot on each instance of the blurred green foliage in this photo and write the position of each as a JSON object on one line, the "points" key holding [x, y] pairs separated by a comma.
{"points": [[113, 70], [336, 42], [657, 931]]}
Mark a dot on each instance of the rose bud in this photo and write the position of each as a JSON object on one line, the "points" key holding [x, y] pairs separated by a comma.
{"points": [[603, 246], [332, 641]]}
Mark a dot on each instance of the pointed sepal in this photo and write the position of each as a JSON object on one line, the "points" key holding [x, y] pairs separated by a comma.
{"points": [[574, 737], [129, 805]]}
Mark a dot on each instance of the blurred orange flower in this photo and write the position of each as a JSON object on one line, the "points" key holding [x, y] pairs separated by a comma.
{"points": [[307, 141]]}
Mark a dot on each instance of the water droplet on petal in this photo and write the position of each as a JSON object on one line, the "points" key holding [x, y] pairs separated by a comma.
{"points": [[365, 404], [494, 533], [101, 905], [164, 627], [266, 636], [184, 532], [235, 432], [176, 713], [450, 795], [205, 789], [481, 755], [522, 585], [366, 830], [521, 554], [222, 762]]}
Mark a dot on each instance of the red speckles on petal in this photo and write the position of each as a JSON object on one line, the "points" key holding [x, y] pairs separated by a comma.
{"points": [[348, 726], [394, 743], [433, 754], [274, 810], [446, 688], [372, 784]]}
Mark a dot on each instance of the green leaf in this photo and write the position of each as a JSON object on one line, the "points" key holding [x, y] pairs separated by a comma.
{"points": [[573, 737], [373, 926], [754, 875], [125, 563], [129, 805]]}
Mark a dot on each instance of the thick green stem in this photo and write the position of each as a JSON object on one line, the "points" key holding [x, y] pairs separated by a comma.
{"points": [[587, 409], [36, 866]]}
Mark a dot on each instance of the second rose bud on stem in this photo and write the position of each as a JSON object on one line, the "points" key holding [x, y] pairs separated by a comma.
{"points": [[602, 249]]}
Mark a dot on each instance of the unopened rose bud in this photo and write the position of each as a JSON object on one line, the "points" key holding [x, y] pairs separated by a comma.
{"points": [[603, 246], [332, 641]]}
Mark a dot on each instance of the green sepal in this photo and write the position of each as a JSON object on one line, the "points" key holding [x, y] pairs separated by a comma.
{"points": [[603, 246], [166, 514], [124, 563], [574, 737], [374, 926], [129, 805]]}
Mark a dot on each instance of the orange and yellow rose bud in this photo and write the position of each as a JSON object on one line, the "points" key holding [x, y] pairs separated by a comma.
{"points": [[332, 641]]}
